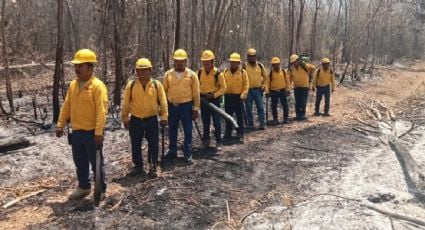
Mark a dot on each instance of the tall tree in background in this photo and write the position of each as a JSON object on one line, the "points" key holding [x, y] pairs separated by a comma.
{"points": [[9, 92], [313, 36], [58, 76], [299, 27], [291, 26], [177, 31], [117, 17]]}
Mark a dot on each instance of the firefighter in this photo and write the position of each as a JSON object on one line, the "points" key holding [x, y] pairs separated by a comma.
{"points": [[85, 107], [237, 85], [257, 75], [324, 82], [212, 88], [299, 78], [142, 99], [278, 88], [181, 86]]}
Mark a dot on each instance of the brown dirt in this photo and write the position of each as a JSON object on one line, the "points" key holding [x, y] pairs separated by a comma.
{"points": [[194, 197]]}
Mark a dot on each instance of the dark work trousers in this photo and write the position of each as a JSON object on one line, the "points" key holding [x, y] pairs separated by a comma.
{"points": [[144, 128], [206, 114], [323, 91], [183, 113], [276, 96], [301, 98], [233, 105], [84, 154]]}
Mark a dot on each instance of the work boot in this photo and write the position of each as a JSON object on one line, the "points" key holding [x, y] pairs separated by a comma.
{"points": [[205, 144], [316, 114], [227, 136], [275, 122], [326, 115], [136, 171], [189, 160], [219, 146], [102, 196], [250, 127], [240, 137], [286, 121], [170, 156], [152, 172], [262, 127], [79, 194]]}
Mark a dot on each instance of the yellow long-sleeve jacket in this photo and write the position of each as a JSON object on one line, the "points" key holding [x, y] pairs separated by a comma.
{"points": [[324, 78], [237, 82], [256, 75], [279, 80], [182, 90], [299, 76], [208, 83], [144, 102], [86, 108]]}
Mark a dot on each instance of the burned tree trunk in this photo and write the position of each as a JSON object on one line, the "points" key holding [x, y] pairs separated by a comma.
{"points": [[314, 31], [117, 18], [291, 26], [59, 63], [299, 26], [9, 92], [334, 56], [13, 143], [177, 31]]}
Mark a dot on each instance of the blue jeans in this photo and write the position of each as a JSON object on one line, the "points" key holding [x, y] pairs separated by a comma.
{"points": [[279, 95], [255, 95], [323, 91], [183, 113], [84, 153], [206, 114], [301, 98], [147, 128]]}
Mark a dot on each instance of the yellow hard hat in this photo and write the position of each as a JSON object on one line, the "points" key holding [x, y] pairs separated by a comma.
{"points": [[84, 56], [207, 55], [326, 61], [180, 54], [275, 60], [251, 52], [293, 58], [143, 63], [235, 57]]}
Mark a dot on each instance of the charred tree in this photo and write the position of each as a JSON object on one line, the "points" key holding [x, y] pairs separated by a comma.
{"points": [[59, 62], [9, 92]]}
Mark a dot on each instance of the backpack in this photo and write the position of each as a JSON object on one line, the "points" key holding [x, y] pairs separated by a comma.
{"points": [[134, 82], [271, 74], [259, 64], [225, 71], [318, 72], [310, 77], [217, 83]]}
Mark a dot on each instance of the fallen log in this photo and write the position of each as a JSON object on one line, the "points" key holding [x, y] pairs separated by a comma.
{"points": [[360, 131], [367, 124], [414, 177], [13, 202], [396, 216], [13, 143]]}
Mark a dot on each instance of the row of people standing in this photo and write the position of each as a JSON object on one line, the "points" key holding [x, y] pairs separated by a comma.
{"points": [[178, 99]]}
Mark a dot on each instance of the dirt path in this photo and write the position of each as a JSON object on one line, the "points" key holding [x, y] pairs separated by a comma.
{"points": [[272, 172]]}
